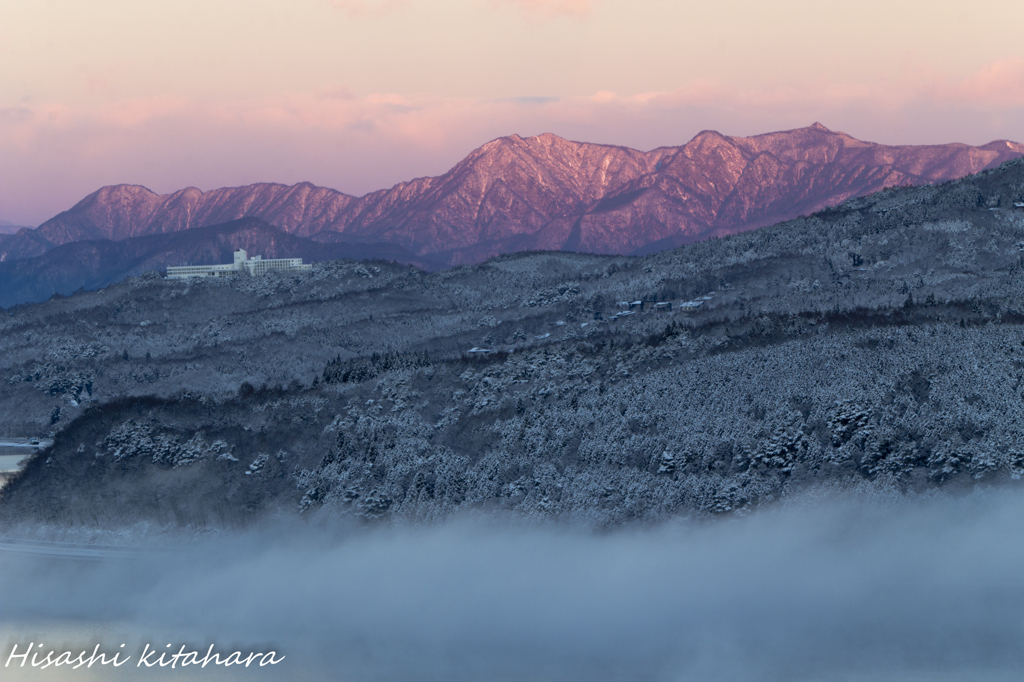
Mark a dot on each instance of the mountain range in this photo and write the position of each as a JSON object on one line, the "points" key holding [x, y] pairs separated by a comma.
{"points": [[876, 346], [7, 227], [512, 194]]}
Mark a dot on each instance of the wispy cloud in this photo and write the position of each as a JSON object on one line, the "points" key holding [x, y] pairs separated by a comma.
{"points": [[999, 84]]}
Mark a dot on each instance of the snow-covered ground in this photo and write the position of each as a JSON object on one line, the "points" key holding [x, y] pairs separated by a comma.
{"points": [[24, 443]]}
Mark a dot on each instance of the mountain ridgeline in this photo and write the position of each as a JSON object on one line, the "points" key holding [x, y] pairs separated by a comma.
{"points": [[511, 195], [876, 346]]}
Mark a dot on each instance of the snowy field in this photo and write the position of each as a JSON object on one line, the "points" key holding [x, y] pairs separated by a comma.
{"points": [[10, 462]]}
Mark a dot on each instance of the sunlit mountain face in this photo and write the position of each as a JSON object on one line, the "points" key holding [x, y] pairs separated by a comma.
{"points": [[513, 194]]}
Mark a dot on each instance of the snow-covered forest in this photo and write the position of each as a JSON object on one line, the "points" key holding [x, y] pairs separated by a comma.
{"points": [[876, 345]]}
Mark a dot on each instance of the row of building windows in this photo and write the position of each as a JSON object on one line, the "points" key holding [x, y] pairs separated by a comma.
{"points": [[242, 263]]}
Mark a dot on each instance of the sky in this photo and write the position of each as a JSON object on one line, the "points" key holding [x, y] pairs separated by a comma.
{"points": [[361, 94]]}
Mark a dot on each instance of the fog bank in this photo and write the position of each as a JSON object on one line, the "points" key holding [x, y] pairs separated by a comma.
{"points": [[847, 590]]}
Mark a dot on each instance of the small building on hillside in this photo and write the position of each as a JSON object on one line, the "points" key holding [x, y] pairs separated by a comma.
{"points": [[256, 265]]}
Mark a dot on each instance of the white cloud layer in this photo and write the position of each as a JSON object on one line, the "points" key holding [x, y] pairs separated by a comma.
{"points": [[869, 590]]}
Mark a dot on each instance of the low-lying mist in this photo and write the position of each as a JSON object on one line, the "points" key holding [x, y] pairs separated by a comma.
{"points": [[845, 590]]}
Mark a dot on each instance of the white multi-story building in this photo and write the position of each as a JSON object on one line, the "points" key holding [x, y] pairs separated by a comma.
{"points": [[243, 264]]}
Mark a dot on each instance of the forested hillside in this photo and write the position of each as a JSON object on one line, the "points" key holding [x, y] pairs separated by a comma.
{"points": [[878, 344]]}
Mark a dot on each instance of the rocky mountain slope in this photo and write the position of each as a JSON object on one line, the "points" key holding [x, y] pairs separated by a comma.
{"points": [[518, 194], [877, 345]]}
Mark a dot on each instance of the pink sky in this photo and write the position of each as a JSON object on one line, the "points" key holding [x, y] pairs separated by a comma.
{"points": [[361, 94]]}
